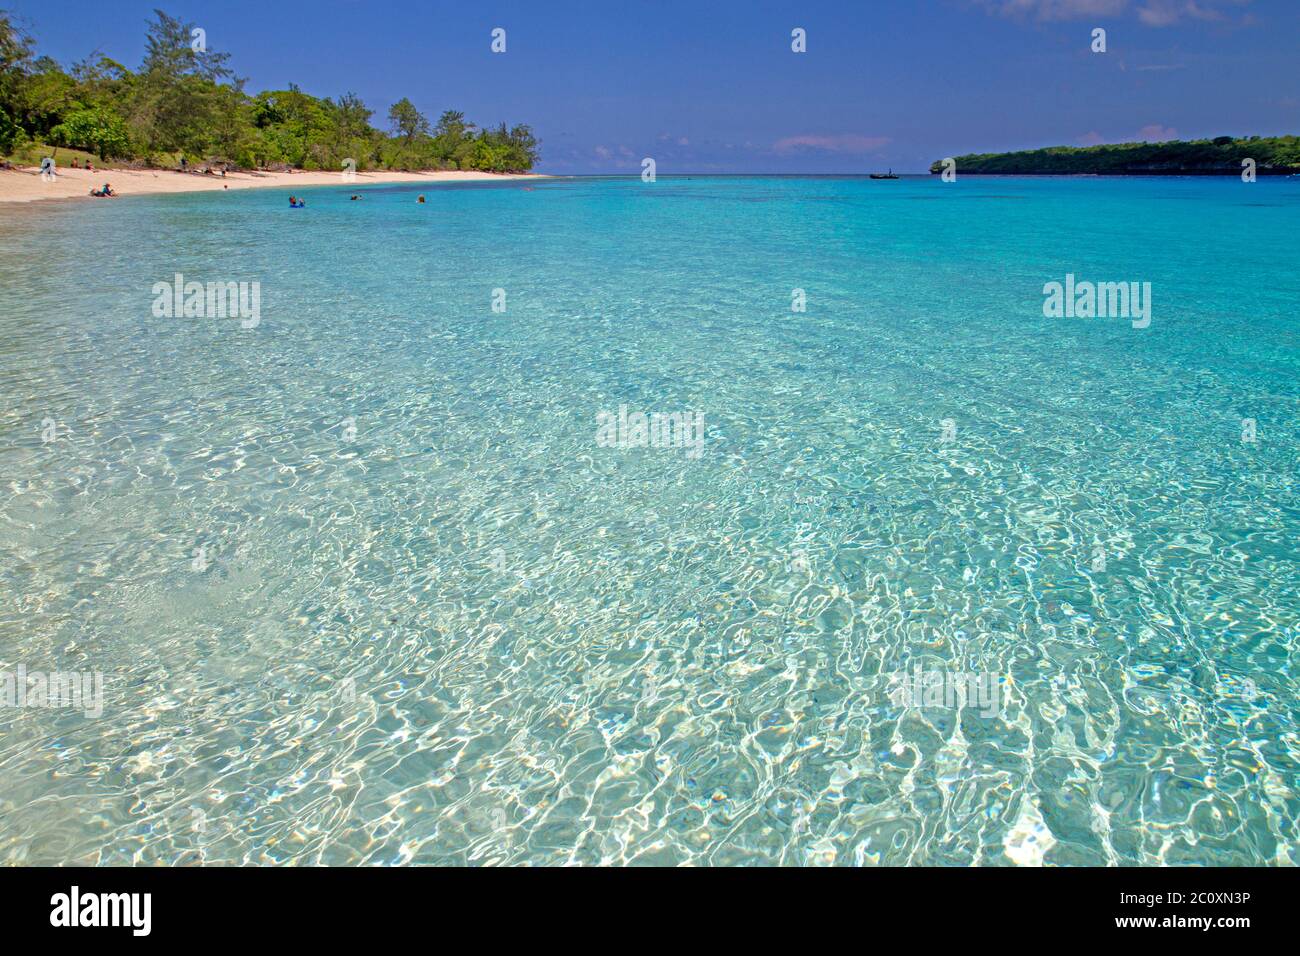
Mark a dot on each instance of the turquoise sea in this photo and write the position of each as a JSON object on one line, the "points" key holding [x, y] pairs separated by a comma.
{"points": [[363, 587]]}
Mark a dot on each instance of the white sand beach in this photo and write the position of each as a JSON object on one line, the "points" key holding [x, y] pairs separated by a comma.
{"points": [[24, 184]]}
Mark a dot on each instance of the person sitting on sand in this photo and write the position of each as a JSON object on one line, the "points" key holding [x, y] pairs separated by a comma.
{"points": [[90, 167], [74, 163], [105, 193]]}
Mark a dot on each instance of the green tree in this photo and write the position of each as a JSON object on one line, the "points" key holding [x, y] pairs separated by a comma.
{"points": [[16, 53], [46, 95], [182, 94], [407, 121], [353, 116], [1222, 155], [452, 123], [169, 51], [185, 98], [10, 132], [15, 62], [96, 130]]}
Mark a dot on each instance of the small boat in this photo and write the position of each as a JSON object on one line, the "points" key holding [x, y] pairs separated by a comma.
{"points": [[888, 175]]}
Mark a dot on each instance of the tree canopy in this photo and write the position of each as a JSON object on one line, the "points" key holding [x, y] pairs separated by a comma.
{"points": [[1221, 155], [185, 100]]}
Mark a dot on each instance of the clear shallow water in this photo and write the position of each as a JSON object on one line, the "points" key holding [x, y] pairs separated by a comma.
{"points": [[467, 633]]}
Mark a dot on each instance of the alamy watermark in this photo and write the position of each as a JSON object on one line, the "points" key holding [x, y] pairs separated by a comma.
{"points": [[75, 908], [1101, 300], [953, 690], [215, 300], [656, 430], [73, 690]]}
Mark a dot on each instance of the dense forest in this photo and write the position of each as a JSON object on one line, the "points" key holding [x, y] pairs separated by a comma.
{"points": [[1222, 155], [186, 101]]}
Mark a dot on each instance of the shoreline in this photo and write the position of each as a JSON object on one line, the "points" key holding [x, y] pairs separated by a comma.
{"points": [[23, 184], [1135, 174]]}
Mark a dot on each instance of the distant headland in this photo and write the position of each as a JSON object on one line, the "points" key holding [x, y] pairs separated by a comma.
{"points": [[1221, 156]]}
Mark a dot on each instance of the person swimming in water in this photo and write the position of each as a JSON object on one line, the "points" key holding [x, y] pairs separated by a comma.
{"points": [[355, 197], [296, 203], [421, 199]]}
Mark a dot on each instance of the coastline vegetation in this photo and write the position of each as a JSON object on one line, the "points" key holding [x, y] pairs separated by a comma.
{"points": [[1223, 155], [185, 102]]}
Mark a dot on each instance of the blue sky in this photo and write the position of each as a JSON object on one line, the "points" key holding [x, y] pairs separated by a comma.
{"points": [[712, 85]]}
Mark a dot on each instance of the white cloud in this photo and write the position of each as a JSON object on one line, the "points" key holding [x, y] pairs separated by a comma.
{"points": [[1155, 133], [1055, 9], [1153, 13], [830, 144], [1162, 13]]}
